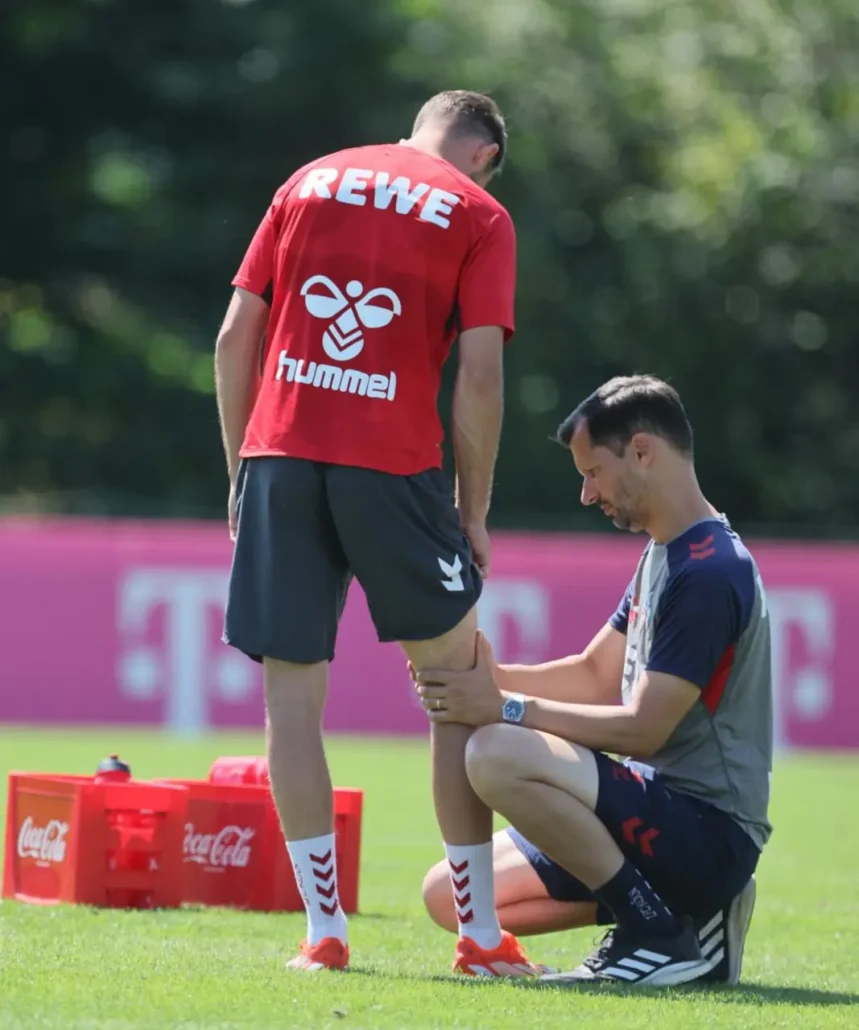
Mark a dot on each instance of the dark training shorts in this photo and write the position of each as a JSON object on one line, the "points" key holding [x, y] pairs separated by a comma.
{"points": [[696, 857], [305, 528]]}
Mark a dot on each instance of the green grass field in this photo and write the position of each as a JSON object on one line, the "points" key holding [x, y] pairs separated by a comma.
{"points": [[107, 970]]}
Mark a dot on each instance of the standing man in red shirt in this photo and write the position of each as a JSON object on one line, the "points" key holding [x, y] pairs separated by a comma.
{"points": [[367, 265]]}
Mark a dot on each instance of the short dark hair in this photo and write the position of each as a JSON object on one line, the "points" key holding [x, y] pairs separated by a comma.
{"points": [[467, 112], [627, 405]]}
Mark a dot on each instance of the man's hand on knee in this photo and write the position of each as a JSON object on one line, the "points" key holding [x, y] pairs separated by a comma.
{"points": [[471, 697]]}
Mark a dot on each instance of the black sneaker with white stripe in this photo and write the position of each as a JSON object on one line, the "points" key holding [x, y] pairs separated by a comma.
{"points": [[723, 937], [627, 957]]}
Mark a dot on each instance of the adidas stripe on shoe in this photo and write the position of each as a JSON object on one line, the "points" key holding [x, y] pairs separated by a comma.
{"points": [[723, 938], [627, 957]]}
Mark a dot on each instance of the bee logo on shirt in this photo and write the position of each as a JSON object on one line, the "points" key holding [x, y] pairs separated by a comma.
{"points": [[343, 338]]}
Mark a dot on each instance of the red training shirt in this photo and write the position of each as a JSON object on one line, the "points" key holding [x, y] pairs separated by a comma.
{"points": [[372, 260]]}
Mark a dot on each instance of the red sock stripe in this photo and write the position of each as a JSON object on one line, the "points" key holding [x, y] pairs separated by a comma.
{"points": [[461, 901], [325, 876]]}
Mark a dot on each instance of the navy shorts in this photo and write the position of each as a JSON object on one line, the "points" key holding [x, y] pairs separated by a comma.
{"points": [[305, 528], [695, 856]]}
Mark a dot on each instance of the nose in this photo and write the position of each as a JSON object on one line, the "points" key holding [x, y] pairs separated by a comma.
{"points": [[590, 494]]}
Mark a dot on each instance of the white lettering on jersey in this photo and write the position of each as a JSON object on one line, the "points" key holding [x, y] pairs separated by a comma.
{"points": [[400, 188], [439, 204], [318, 181], [330, 377], [357, 183], [352, 185]]}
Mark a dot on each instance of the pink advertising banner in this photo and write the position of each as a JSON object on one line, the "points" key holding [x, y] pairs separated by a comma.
{"points": [[120, 622]]}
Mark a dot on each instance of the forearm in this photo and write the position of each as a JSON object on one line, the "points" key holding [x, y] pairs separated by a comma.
{"points": [[572, 679], [234, 377], [478, 408], [614, 728]]}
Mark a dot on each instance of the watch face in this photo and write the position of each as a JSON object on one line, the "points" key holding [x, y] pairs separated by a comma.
{"points": [[513, 709]]}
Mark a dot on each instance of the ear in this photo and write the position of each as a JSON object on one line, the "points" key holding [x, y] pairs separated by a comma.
{"points": [[643, 447], [484, 155]]}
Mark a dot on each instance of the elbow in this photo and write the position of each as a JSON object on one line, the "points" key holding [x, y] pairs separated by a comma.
{"points": [[483, 382], [237, 339], [227, 340], [641, 747], [222, 344], [645, 741]]}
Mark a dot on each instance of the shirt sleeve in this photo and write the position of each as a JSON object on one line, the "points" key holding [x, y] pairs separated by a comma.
{"points": [[620, 619], [256, 272], [698, 621], [488, 283]]}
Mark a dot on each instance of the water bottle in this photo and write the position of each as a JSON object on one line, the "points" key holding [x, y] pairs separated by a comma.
{"points": [[112, 770]]}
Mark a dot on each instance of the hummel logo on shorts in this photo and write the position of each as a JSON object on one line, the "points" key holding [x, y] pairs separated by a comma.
{"points": [[453, 574]]}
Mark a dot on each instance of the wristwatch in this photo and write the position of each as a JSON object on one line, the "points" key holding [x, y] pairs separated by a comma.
{"points": [[513, 709]]}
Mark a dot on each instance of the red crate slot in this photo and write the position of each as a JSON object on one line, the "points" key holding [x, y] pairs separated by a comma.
{"points": [[72, 839]]}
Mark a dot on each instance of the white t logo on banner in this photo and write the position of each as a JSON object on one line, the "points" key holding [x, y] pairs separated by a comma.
{"points": [[181, 666]]}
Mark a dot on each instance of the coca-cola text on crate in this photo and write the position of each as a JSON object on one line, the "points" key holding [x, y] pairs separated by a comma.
{"points": [[46, 844], [228, 845], [40, 837], [229, 848]]}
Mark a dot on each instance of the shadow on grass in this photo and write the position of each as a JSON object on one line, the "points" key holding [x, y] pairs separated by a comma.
{"points": [[751, 994], [742, 994]]}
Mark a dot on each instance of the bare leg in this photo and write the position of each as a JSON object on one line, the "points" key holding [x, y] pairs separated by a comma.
{"points": [[462, 817], [548, 787], [301, 785], [300, 781]]}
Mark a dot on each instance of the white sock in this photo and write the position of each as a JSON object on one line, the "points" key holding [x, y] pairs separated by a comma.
{"points": [[315, 863], [473, 883]]}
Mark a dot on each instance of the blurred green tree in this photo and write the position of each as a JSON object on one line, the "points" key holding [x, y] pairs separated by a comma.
{"points": [[684, 181]]}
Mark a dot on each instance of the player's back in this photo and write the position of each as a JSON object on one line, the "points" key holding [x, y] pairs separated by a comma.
{"points": [[379, 255]]}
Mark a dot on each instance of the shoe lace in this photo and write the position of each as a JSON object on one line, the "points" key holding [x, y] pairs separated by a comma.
{"points": [[604, 945]]}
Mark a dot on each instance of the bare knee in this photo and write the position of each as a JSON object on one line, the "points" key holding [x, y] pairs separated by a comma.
{"points": [[455, 649], [437, 897], [491, 762], [501, 759]]}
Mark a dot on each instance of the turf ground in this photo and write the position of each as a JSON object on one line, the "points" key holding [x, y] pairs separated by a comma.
{"points": [[73, 967]]}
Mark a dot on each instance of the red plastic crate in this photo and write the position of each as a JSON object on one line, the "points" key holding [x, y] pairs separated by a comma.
{"points": [[114, 845], [229, 839], [251, 772]]}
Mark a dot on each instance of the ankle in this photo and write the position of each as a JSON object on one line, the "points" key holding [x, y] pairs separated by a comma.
{"points": [[314, 861], [473, 885]]}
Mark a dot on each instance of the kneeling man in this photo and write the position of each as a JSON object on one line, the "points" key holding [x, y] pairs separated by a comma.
{"points": [[661, 845]]}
